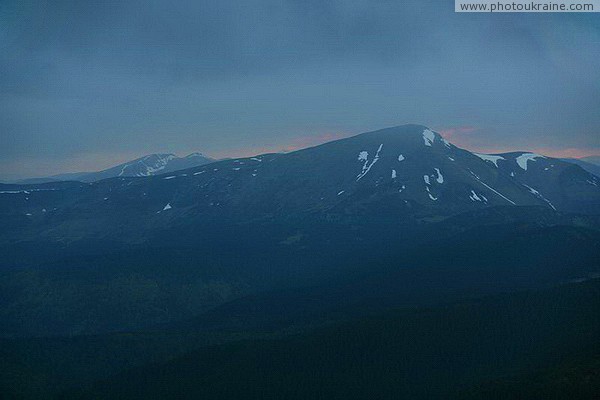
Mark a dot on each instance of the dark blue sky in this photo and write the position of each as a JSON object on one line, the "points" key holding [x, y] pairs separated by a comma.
{"points": [[86, 84]]}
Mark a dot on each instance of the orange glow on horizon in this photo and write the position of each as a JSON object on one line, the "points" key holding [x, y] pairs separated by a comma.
{"points": [[459, 136]]}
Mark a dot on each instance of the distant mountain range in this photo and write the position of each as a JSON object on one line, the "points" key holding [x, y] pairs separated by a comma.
{"points": [[590, 164], [144, 166], [591, 159]]}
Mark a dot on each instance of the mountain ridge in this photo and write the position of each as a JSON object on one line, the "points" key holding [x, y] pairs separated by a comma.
{"points": [[401, 173], [589, 166], [147, 165]]}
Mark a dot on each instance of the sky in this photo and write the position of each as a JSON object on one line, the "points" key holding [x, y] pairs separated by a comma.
{"points": [[88, 84]]}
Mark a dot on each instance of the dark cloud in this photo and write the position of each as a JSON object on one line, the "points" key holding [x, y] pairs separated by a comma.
{"points": [[100, 81]]}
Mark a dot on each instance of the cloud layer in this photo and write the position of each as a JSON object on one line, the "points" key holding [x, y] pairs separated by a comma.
{"points": [[86, 84]]}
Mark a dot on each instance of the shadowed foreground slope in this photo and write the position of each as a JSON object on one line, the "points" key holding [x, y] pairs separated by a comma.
{"points": [[444, 352]]}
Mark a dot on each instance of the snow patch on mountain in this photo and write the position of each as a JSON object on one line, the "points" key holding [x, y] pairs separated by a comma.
{"points": [[158, 165], [428, 137], [539, 195], [474, 196], [123, 169], [477, 197], [149, 165], [525, 157], [440, 177], [490, 158], [25, 191], [367, 167], [492, 189], [432, 197]]}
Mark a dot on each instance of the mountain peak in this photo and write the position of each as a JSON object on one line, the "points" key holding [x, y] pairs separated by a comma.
{"points": [[159, 156], [410, 133], [150, 164], [405, 129], [154, 164]]}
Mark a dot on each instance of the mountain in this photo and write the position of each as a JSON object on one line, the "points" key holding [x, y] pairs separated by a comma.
{"points": [[128, 252], [550, 180], [592, 159], [402, 174], [389, 262], [589, 166], [144, 166]]}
